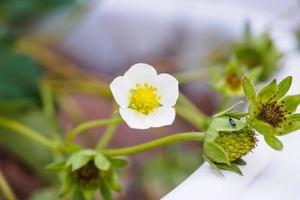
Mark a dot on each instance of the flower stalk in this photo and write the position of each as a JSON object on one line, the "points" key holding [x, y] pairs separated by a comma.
{"points": [[89, 125], [188, 136]]}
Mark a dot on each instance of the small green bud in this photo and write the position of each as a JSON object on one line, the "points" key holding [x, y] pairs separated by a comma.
{"points": [[237, 143]]}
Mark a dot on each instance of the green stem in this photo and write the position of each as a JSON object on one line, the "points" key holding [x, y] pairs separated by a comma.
{"points": [[185, 77], [224, 104], [48, 106], [107, 136], [188, 111], [89, 125], [189, 136], [27, 132], [5, 188], [109, 131]]}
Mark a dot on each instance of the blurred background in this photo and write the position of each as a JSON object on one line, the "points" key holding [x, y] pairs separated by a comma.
{"points": [[79, 45]]}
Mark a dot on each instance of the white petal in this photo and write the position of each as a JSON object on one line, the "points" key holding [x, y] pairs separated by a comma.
{"points": [[133, 119], [167, 88], [120, 88], [162, 116], [141, 73]]}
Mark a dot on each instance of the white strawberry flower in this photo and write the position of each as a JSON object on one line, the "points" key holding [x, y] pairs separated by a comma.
{"points": [[146, 99]]}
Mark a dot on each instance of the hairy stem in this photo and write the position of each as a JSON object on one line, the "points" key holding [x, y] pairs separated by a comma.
{"points": [[109, 131], [89, 125], [189, 136]]}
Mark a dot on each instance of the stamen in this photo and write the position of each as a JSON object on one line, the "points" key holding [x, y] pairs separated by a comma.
{"points": [[273, 113], [144, 98]]}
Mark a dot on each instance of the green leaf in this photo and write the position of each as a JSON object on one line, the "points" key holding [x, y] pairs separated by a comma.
{"points": [[67, 185], [105, 191], [273, 142], [81, 158], [102, 162], [292, 124], [113, 181], [284, 86], [77, 194], [263, 127], [239, 161], [70, 148], [227, 110], [230, 167], [88, 194], [118, 162], [56, 166], [249, 90], [213, 165], [19, 77], [215, 152], [294, 117], [291, 102], [268, 92], [224, 124]]}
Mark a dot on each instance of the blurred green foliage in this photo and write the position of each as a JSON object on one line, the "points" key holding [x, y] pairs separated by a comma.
{"points": [[32, 154], [19, 82], [19, 77], [164, 172], [258, 51], [17, 15]]}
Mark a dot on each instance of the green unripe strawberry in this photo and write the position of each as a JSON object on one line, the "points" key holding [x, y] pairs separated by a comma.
{"points": [[237, 143]]}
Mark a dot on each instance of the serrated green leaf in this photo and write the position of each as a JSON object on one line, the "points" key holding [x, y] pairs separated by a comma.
{"points": [[215, 152], [284, 86], [56, 166], [105, 191], [268, 92], [102, 162], [231, 167], [224, 124], [227, 110], [249, 90], [291, 102], [273, 142]]}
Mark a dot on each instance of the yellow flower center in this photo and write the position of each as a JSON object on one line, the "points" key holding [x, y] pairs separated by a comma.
{"points": [[144, 98]]}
